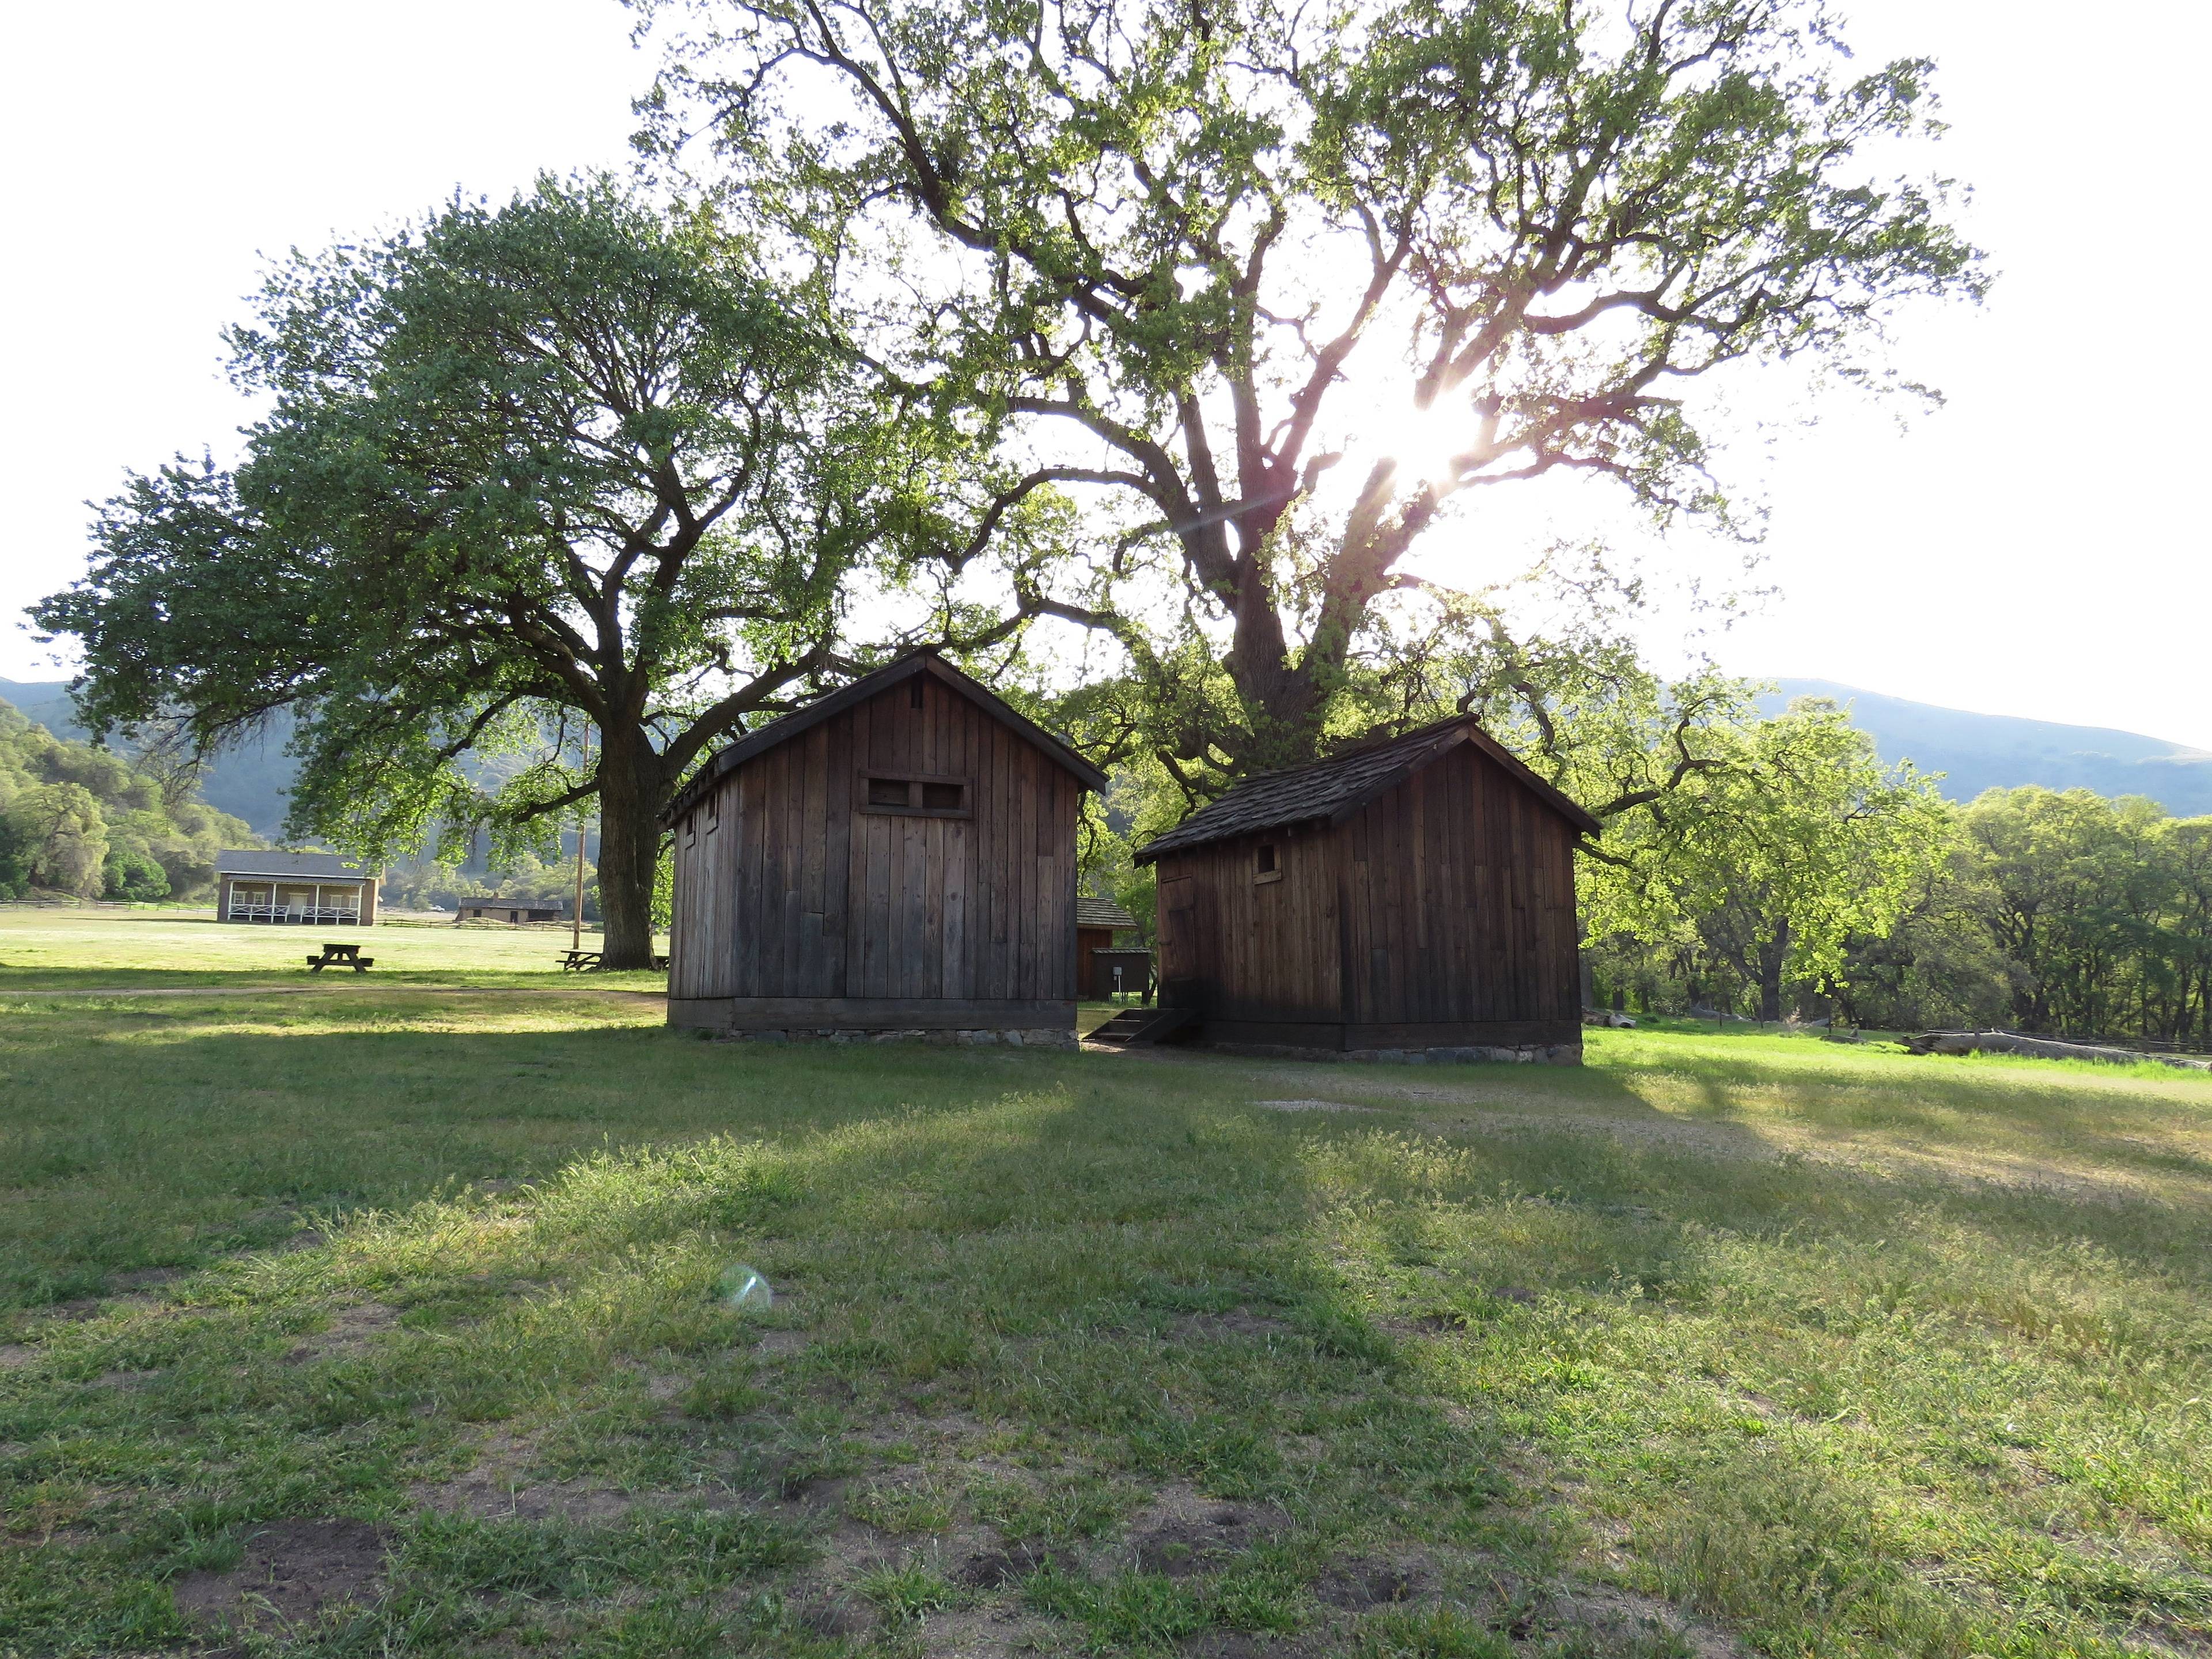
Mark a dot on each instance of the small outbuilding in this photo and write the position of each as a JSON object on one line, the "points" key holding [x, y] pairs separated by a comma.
{"points": [[1414, 896], [267, 886], [1108, 957], [514, 911], [897, 858]]}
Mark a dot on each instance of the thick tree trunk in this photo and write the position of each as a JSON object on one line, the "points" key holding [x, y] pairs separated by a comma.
{"points": [[1771, 955], [629, 848]]}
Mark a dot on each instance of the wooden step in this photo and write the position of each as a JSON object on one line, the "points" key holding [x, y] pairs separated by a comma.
{"points": [[1140, 1028]]}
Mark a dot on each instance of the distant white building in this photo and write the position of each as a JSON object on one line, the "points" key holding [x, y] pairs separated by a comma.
{"points": [[265, 886]]}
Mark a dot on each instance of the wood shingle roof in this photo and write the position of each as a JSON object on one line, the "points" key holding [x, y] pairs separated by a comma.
{"points": [[1331, 791], [1092, 911]]}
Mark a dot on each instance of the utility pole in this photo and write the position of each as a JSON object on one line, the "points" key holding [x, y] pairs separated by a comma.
{"points": [[576, 917]]}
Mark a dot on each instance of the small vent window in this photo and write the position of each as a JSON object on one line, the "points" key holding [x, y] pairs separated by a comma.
{"points": [[713, 813], [917, 795], [1264, 866]]}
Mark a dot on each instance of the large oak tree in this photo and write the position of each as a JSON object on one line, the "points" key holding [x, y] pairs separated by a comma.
{"points": [[578, 461], [1178, 251]]}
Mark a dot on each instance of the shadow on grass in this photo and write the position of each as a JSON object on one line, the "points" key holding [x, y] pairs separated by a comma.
{"points": [[1079, 1288], [976, 1246]]}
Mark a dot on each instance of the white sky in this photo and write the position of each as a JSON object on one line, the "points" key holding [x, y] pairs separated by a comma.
{"points": [[2030, 549]]}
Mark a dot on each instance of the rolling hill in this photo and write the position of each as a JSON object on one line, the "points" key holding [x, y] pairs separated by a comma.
{"points": [[1993, 751], [247, 782]]}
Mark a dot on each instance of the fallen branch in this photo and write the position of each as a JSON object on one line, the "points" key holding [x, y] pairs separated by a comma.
{"points": [[2008, 1042]]}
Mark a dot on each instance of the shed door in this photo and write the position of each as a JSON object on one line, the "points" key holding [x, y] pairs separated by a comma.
{"points": [[1179, 943]]}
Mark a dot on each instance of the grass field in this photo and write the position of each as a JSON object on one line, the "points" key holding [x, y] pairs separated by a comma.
{"points": [[373, 1320], [166, 946]]}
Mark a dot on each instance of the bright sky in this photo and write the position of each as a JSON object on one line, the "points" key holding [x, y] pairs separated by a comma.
{"points": [[2030, 549]]}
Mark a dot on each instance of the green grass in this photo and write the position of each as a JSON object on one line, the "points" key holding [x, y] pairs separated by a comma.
{"points": [[1719, 1340], [159, 946]]}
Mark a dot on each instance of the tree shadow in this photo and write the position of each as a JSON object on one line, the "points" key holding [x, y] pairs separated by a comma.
{"points": [[1085, 1291]]}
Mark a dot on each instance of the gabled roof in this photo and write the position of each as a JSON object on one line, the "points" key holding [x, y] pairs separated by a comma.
{"points": [[1091, 912], [272, 861], [859, 691], [1331, 791]]}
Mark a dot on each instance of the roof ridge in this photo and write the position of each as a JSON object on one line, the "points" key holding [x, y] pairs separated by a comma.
{"points": [[1364, 746]]}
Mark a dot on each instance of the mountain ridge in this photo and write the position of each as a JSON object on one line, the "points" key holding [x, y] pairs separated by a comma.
{"points": [[248, 782], [1976, 751]]}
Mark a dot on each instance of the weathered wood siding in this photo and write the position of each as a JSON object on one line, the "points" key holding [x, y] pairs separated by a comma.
{"points": [[1441, 912], [1248, 950], [786, 887]]}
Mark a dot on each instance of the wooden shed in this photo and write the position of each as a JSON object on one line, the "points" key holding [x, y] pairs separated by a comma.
{"points": [[516, 912], [1411, 897], [897, 858]]}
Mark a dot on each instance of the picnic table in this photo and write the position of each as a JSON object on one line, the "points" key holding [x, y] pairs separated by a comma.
{"points": [[337, 954], [586, 961]]}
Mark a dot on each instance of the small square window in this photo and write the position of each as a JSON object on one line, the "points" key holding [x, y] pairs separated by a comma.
{"points": [[713, 813], [943, 797], [1264, 866], [889, 791], [1268, 858], [691, 829]]}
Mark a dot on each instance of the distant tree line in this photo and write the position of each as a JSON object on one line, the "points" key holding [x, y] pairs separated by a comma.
{"points": [[1801, 876], [85, 823], [2052, 911]]}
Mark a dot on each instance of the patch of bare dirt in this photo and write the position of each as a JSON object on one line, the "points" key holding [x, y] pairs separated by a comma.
{"points": [[2162, 1638], [991, 1633], [1615, 1616], [950, 1433], [837, 1616], [997, 1569], [815, 1494], [1236, 1644], [1180, 1534], [15, 1354], [1237, 1322], [147, 1278], [1364, 1582], [1312, 1106], [352, 1329], [499, 1487], [291, 1571], [125, 1379]]}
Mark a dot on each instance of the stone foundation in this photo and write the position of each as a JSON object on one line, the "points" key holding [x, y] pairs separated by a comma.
{"points": [[1029, 1037], [1538, 1054]]}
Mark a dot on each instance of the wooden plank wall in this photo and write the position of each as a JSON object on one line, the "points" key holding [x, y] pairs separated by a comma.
{"points": [[1455, 893], [1257, 951], [1459, 897], [796, 893]]}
